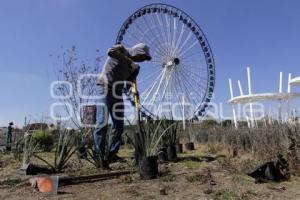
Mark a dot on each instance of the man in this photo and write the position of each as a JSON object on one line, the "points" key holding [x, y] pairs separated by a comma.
{"points": [[119, 67], [9, 136]]}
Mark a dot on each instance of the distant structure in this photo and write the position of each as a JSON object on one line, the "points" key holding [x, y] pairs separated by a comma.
{"points": [[33, 127], [283, 98]]}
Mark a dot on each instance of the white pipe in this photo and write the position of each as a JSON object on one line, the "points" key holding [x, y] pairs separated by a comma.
{"points": [[280, 102], [289, 100], [269, 116], [234, 117], [250, 92], [233, 108], [230, 88], [249, 80], [240, 88], [289, 83], [183, 114], [280, 112], [280, 82], [242, 93], [265, 119], [255, 121], [248, 122]]}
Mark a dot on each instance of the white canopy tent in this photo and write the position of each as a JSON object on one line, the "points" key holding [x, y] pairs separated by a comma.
{"points": [[263, 97], [295, 81], [251, 98]]}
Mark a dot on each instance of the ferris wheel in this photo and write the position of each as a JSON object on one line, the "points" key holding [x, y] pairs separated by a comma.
{"points": [[179, 80]]}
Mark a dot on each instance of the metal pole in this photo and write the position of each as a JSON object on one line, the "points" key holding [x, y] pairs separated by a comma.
{"points": [[250, 92], [280, 82], [242, 94], [233, 108], [183, 115], [136, 104], [240, 88], [289, 101], [280, 101], [289, 83]]}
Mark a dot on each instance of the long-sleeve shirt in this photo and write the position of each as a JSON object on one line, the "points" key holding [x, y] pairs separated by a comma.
{"points": [[118, 67]]}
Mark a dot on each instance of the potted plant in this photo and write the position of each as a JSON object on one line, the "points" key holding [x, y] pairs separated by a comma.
{"points": [[191, 135], [162, 153], [146, 142], [99, 158], [64, 150], [83, 142], [171, 138], [30, 145]]}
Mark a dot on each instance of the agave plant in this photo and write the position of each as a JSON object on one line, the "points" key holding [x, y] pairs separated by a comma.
{"points": [[64, 150], [99, 158], [171, 136], [83, 142], [147, 138], [191, 132], [30, 145], [25, 145]]}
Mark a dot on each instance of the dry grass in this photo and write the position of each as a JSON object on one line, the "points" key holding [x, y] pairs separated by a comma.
{"points": [[193, 177], [263, 144], [212, 171]]}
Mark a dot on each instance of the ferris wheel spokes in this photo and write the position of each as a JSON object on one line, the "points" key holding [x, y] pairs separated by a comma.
{"points": [[182, 66]]}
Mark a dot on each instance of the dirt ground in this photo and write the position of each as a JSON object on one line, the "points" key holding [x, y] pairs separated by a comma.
{"points": [[199, 174]]}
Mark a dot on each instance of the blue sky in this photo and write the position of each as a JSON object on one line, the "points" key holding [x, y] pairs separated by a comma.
{"points": [[258, 33]]}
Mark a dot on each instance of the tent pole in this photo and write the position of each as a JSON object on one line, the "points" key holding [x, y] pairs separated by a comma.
{"points": [[250, 92], [233, 108]]}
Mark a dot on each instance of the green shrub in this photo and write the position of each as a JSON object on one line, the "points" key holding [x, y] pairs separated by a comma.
{"points": [[63, 151], [44, 139]]}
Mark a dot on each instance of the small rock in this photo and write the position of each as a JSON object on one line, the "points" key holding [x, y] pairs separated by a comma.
{"points": [[212, 182], [207, 191], [280, 188], [163, 191]]}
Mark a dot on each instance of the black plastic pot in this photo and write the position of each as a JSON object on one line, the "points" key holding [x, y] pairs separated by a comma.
{"points": [[33, 169], [136, 158], [162, 154], [171, 152], [179, 148], [148, 167], [189, 146], [82, 152]]}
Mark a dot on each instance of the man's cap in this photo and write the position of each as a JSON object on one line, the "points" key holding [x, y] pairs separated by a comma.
{"points": [[140, 49]]}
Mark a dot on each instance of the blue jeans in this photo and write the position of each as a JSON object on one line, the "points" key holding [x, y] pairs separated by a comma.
{"points": [[113, 106]]}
